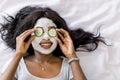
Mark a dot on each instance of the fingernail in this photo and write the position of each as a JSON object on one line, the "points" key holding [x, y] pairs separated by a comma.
{"points": [[55, 37]]}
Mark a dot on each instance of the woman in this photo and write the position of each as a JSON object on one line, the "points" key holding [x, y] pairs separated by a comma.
{"points": [[45, 47]]}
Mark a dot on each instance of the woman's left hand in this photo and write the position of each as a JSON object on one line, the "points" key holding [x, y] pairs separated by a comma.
{"points": [[66, 44]]}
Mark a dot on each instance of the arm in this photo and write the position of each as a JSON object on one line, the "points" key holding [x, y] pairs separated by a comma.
{"points": [[9, 73], [77, 71], [67, 48], [21, 48]]}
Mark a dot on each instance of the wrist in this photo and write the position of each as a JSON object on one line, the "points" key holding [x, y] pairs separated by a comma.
{"points": [[73, 59], [72, 56], [19, 54]]}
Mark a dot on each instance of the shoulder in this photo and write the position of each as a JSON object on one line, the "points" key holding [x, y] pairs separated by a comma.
{"points": [[65, 62], [64, 59]]}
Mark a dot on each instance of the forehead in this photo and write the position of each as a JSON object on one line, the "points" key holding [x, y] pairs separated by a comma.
{"points": [[44, 22]]}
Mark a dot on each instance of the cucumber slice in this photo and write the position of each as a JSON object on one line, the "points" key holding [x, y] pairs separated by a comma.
{"points": [[52, 32], [39, 31]]}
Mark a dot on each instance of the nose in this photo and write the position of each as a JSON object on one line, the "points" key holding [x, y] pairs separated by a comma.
{"points": [[46, 36]]}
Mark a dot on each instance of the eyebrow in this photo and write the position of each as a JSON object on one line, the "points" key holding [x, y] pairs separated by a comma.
{"points": [[48, 26], [52, 27]]}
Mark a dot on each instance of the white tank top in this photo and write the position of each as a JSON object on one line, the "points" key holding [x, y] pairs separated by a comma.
{"points": [[22, 72]]}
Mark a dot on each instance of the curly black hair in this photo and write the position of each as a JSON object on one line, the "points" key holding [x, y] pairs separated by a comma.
{"points": [[26, 18]]}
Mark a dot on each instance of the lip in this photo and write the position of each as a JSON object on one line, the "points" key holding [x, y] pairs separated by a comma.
{"points": [[46, 44]]}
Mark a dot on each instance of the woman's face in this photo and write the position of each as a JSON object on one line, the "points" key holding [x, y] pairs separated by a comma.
{"points": [[44, 41]]}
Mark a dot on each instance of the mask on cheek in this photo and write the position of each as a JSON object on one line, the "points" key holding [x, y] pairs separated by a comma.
{"points": [[39, 43]]}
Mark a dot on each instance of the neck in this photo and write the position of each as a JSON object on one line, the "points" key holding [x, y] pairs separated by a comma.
{"points": [[42, 58]]}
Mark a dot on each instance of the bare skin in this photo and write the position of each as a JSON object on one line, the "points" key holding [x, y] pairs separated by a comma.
{"points": [[53, 63]]}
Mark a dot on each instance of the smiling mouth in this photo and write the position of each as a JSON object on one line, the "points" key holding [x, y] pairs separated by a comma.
{"points": [[46, 45]]}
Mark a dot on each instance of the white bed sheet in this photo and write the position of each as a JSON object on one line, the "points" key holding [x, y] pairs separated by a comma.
{"points": [[104, 62]]}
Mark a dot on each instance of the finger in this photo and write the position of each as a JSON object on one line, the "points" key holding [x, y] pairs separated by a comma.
{"points": [[31, 39], [60, 35], [66, 34], [59, 41], [27, 33]]}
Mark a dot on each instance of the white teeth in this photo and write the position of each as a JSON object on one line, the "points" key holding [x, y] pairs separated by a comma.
{"points": [[45, 44]]}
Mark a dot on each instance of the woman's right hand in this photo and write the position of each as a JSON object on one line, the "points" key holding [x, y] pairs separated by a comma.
{"points": [[21, 45]]}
